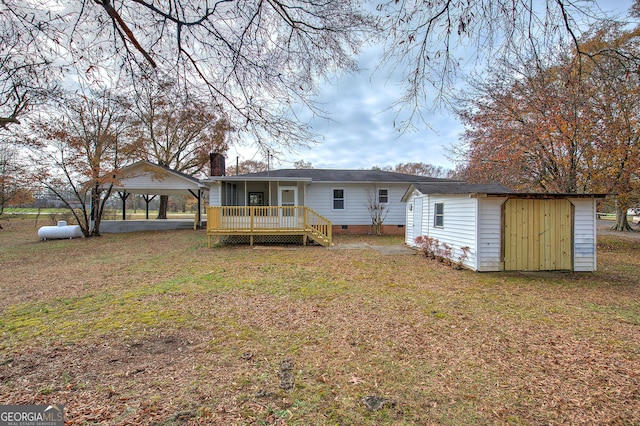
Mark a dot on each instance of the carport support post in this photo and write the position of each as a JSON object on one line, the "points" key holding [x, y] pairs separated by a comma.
{"points": [[147, 200], [124, 195], [198, 196]]}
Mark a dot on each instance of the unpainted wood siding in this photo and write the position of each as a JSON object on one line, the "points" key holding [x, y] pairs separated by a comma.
{"points": [[489, 234], [584, 234], [538, 235], [319, 197]]}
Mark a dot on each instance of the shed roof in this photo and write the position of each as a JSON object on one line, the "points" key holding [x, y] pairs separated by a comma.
{"points": [[461, 188], [491, 189]]}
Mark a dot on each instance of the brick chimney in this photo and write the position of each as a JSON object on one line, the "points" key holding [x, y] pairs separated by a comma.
{"points": [[216, 160]]}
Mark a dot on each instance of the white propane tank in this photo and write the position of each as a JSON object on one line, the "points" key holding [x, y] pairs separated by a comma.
{"points": [[61, 231]]}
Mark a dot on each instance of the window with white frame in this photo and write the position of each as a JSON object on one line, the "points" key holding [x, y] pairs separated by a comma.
{"points": [[438, 215], [383, 196], [338, 199]]}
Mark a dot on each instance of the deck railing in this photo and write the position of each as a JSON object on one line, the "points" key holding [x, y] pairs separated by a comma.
{"points": [[269, 220]]}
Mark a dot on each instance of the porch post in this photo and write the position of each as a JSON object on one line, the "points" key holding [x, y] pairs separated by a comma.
{"points": [[200, 208]]}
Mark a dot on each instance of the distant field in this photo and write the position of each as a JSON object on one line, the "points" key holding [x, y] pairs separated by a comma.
{"points": [[56, 214], [612, 216], [155, 328]]}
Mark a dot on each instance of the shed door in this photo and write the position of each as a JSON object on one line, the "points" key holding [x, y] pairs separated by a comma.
{"points": [[538, 235]]}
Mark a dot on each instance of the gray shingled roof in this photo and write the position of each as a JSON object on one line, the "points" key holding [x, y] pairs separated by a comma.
{"points": [[461, 188], [453, 188], [329, 175]]}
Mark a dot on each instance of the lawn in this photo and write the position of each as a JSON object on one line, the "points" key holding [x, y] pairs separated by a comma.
{"points": [[155, 328]]}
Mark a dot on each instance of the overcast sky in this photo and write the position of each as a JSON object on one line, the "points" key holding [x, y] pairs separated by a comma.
{"points": [[360, 133]]}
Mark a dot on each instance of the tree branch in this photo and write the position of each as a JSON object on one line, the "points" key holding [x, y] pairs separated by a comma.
{"points": [[123, 25]]}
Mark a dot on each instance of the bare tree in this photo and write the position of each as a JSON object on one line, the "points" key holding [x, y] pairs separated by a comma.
{"points": [[377, 208], [175, 130], [424, 169], [301, 164], [430, 43], [255, 59], [260, 60], [246, 167], [77, 151], [26, 69], [12, 174]]}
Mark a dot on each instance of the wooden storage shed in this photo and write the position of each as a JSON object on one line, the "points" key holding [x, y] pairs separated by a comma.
{"points": [[502, 230]]}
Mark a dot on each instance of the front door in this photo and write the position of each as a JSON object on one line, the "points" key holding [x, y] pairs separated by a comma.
{"points": [[288, 199]]}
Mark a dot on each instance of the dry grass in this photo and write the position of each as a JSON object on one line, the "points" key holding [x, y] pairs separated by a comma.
{"points": [[154, 328]]}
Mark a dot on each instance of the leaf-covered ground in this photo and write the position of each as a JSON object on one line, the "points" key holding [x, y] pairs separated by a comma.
{"points": [[155, 328]]}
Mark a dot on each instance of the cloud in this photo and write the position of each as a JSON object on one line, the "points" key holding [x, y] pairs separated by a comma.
{"points": [[360, 129]]}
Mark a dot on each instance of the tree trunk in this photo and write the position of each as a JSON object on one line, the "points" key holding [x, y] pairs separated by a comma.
{"points": [[377, 228], [622, 224], [95, 214], [162, 209]]}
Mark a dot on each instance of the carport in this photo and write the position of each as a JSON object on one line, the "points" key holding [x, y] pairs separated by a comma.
{"points": [[151, 180]]}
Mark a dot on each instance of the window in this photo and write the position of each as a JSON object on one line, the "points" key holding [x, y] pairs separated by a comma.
{"points": [[338, 199], [438, 220], [383, 196], [256, 198]]}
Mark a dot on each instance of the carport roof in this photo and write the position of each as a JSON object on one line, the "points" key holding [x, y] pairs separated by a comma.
{"points": [[144, 177]]}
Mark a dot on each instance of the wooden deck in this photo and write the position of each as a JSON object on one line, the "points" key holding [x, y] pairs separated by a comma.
{"points": [[268, 220]]}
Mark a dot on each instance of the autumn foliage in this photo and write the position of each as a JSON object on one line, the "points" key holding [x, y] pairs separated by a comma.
{"points": [[568, 126]]}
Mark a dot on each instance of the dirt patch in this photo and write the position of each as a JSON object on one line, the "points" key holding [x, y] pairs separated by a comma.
{"points": [[604, 228], [389, 249], [158, 345]]}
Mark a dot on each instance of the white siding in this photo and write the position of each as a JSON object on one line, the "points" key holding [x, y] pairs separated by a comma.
{"points": [[214, 194], [459, 229], [319, 197], [490, 234], [156, 182], [477, 223], [409, 232], [584, 234]]}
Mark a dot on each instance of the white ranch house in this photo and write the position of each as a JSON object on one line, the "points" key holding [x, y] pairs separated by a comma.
{"points": [[500, 229], [341, 197]]}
